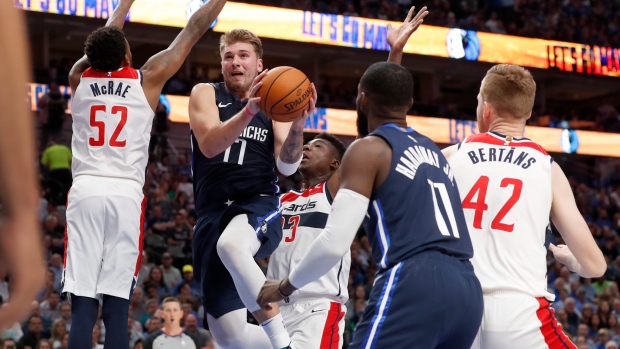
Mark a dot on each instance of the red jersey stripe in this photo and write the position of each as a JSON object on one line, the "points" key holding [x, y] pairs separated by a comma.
{"points": [[491, 139], [124, 73]]}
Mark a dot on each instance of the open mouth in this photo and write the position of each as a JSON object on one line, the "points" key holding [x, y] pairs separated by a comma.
{"points": [[237, 73]]}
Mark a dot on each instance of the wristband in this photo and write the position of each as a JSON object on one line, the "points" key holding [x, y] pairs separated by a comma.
{"points": [[286, 298], [287, 169], [247, 111]]}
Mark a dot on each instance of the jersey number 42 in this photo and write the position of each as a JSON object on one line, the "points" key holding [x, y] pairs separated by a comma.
{"points": [[479, 206]]}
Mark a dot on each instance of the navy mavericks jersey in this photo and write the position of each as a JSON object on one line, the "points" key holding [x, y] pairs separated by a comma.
{"points": [[243, 170], [418, 207]]}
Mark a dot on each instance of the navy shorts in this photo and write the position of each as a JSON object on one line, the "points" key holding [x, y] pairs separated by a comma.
{"points": [[219, 295], [427, 301]]}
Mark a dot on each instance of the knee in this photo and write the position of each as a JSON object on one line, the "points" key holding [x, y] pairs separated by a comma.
{"points": [[228, 248]]}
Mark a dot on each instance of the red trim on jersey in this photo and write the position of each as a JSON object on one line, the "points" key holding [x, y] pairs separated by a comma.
{"points": [[124, 73], [141, 242], [550, 329], [491, 139], [292, 196], [64, 258], [331, 331]]}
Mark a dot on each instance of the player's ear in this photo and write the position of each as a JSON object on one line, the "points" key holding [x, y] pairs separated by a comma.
{"points": [[410, 104], [486, 112], [334, 165], [259, 65]]}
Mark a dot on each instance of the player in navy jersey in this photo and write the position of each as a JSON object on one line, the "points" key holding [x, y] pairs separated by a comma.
{"points": [[236, 150], [401, 182]]}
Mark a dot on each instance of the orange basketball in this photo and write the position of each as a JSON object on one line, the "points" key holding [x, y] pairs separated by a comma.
{"points": [[285, 94]]}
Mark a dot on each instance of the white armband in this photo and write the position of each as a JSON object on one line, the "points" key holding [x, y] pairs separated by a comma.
{"points": [[348, 211], [287, 169]]}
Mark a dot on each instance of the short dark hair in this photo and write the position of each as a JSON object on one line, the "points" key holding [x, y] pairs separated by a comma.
{"points": [[105, 48], [388, 84], [335, 142]]}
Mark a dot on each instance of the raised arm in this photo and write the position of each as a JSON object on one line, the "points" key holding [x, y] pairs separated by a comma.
{"points": [[360, 171], [20, 240], [162, 66], [397, 37], [289, 140], [116, 20], [588, 259]]}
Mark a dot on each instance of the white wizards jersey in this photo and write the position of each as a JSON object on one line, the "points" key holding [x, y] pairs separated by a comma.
{"points": [[111, 125], [304, 216], [505, 188]]}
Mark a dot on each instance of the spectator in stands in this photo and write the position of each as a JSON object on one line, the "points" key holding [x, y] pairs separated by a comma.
{"points": [[151, 308], [573, 317], [57, 160], [156, 277], [171, 275], [32, 336], [59, 329], [50, 308], [65, 314], [145, 268], [52, 106], [44, 344], [179, 243], [56, 266], [9, 343], [134, 335], [64, 343], [200, 334], [188, 277], [137, 303], [602, 338], [611, 345], [55, 231], [97, 336], [584, 332]]}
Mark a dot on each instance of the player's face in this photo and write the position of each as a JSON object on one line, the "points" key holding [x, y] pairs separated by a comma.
{"points": [[318, 157], [240, 66]]}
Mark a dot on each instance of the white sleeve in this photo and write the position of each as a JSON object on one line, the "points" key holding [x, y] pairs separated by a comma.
{"points": [[348, 211]]}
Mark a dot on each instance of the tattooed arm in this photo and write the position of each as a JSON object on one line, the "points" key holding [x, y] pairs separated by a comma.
{"points": [[162, 66], [288, 148]]}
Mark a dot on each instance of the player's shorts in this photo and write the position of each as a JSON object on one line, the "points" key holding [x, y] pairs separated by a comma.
{"points": [[103, 237], [315, 323], [516, 320], [219, 295], [428, 301]]}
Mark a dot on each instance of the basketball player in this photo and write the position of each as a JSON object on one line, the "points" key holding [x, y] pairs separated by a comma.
{"points": [[235, 147], [509, 187], [415, 225], [315, 316], [113, 108], [20, 242]]}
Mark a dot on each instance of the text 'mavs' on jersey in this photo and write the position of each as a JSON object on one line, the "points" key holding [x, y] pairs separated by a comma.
{"points": [[304, 215], [112, 123], [243, 170], [506, 190], [418, 207]]}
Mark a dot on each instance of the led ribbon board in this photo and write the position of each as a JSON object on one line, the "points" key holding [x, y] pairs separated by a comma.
{"points": [[446, 131]]}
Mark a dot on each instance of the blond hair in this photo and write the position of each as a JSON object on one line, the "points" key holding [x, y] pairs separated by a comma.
{"points": [[510, 89], [241, 35], [170, 300]]}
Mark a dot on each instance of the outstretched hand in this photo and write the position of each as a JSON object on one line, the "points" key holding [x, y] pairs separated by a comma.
{"points": [[269, 294], [301, 122], [397, 36], [253, 105]]}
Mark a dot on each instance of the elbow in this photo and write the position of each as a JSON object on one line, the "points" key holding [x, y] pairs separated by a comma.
{"points": [[207, 150], [599, 269]]}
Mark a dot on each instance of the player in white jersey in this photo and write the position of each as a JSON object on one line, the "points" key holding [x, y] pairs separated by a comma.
{"points": [[113, 107], [314, 315], [509, 187]]}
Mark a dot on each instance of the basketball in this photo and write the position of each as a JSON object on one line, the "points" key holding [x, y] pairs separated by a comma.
{"points": [[285, 94]]}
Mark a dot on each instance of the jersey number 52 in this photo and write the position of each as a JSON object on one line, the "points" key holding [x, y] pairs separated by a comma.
{"points": [[100, 126]]}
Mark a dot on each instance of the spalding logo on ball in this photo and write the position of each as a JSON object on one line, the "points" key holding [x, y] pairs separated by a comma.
{"points": [[285, 94]]}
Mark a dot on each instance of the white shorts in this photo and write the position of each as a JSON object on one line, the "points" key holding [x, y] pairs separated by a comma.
{"points": [[103, 237], [514, 320], [315, 324]]}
